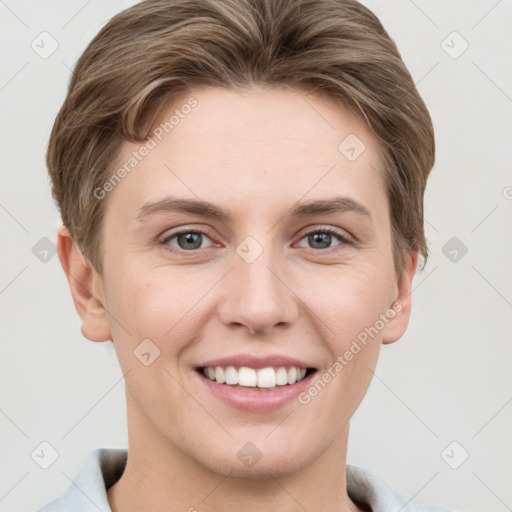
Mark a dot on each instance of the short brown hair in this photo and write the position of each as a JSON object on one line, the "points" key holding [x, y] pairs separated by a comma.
{"points": [[159, 49]]}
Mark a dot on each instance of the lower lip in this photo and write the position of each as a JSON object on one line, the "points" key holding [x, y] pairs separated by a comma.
{"points": [[256, 401]]}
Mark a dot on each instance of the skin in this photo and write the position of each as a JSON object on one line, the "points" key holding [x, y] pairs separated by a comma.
{"points": [[255, 152]]}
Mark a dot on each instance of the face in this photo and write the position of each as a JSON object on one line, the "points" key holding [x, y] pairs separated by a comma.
{"points": [[268, 278]]}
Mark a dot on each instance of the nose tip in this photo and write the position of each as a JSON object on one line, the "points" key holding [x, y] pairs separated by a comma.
{"points": [[258, 298]]}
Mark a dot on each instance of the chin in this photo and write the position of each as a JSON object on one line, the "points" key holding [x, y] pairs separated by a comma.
{"points": [[263, 470], [248, 462]]}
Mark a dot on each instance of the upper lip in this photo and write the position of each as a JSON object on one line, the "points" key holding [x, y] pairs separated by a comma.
{"points": [[239, 360]]}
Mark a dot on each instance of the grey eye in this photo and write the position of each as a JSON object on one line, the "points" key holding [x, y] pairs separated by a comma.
{"points": [[186, 240]]}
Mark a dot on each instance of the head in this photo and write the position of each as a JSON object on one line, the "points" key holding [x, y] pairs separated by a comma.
{"points": [[256, 107]]}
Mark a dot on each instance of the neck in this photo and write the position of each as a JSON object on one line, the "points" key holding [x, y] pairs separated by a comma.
{"points": [[160, 476]]}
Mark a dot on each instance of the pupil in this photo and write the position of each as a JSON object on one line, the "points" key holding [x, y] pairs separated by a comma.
{"points": [[189, 239], [324, 238]]}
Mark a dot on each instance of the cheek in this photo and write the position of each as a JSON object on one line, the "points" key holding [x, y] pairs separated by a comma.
{"points": [[346, 301], [347, 310], [151, 305], [159, 308]]}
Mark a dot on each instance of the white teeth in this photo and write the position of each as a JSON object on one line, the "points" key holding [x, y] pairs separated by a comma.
{"points": [[282, 377], [266, 378], [231, 375], [247, 377], [219, 374], [261, 378], [292, 375]]}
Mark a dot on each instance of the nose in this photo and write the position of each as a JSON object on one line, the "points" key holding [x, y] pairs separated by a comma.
{"points": [[257, 296]]}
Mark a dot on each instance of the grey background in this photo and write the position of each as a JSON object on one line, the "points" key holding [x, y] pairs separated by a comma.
{"points": [[447, 380]]}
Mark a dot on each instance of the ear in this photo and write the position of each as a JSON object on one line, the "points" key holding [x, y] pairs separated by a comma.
{"points": [[86, 288], [400, 311]]}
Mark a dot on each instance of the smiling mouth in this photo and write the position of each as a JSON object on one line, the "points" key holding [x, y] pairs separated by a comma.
{"points": [[245, 377]]}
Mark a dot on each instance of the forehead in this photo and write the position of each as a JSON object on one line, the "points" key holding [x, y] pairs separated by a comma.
{"points": [[260, 144], [277, 118]]}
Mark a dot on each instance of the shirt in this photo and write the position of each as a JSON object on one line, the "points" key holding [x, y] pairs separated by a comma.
{"points": [[104, 466]]}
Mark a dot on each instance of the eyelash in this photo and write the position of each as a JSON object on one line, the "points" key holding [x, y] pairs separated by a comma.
{"points": [[342, 238]]}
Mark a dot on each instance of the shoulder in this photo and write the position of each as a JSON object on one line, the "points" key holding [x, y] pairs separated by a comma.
{"points": [[88, 490], [367, 489]]}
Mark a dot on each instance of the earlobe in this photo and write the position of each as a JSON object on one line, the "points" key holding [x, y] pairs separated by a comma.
{"points": [[86, 288], [400, 311]]}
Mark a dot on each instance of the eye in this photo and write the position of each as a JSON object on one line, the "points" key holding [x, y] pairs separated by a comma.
{"points": [[321, 238], [187, 240], [191, 240]]}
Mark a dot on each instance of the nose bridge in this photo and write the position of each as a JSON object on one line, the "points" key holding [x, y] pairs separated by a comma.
{"points": [[258, 297]]}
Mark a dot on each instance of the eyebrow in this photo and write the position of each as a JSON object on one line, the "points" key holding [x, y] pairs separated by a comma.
{"points": [[211, 211]]}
